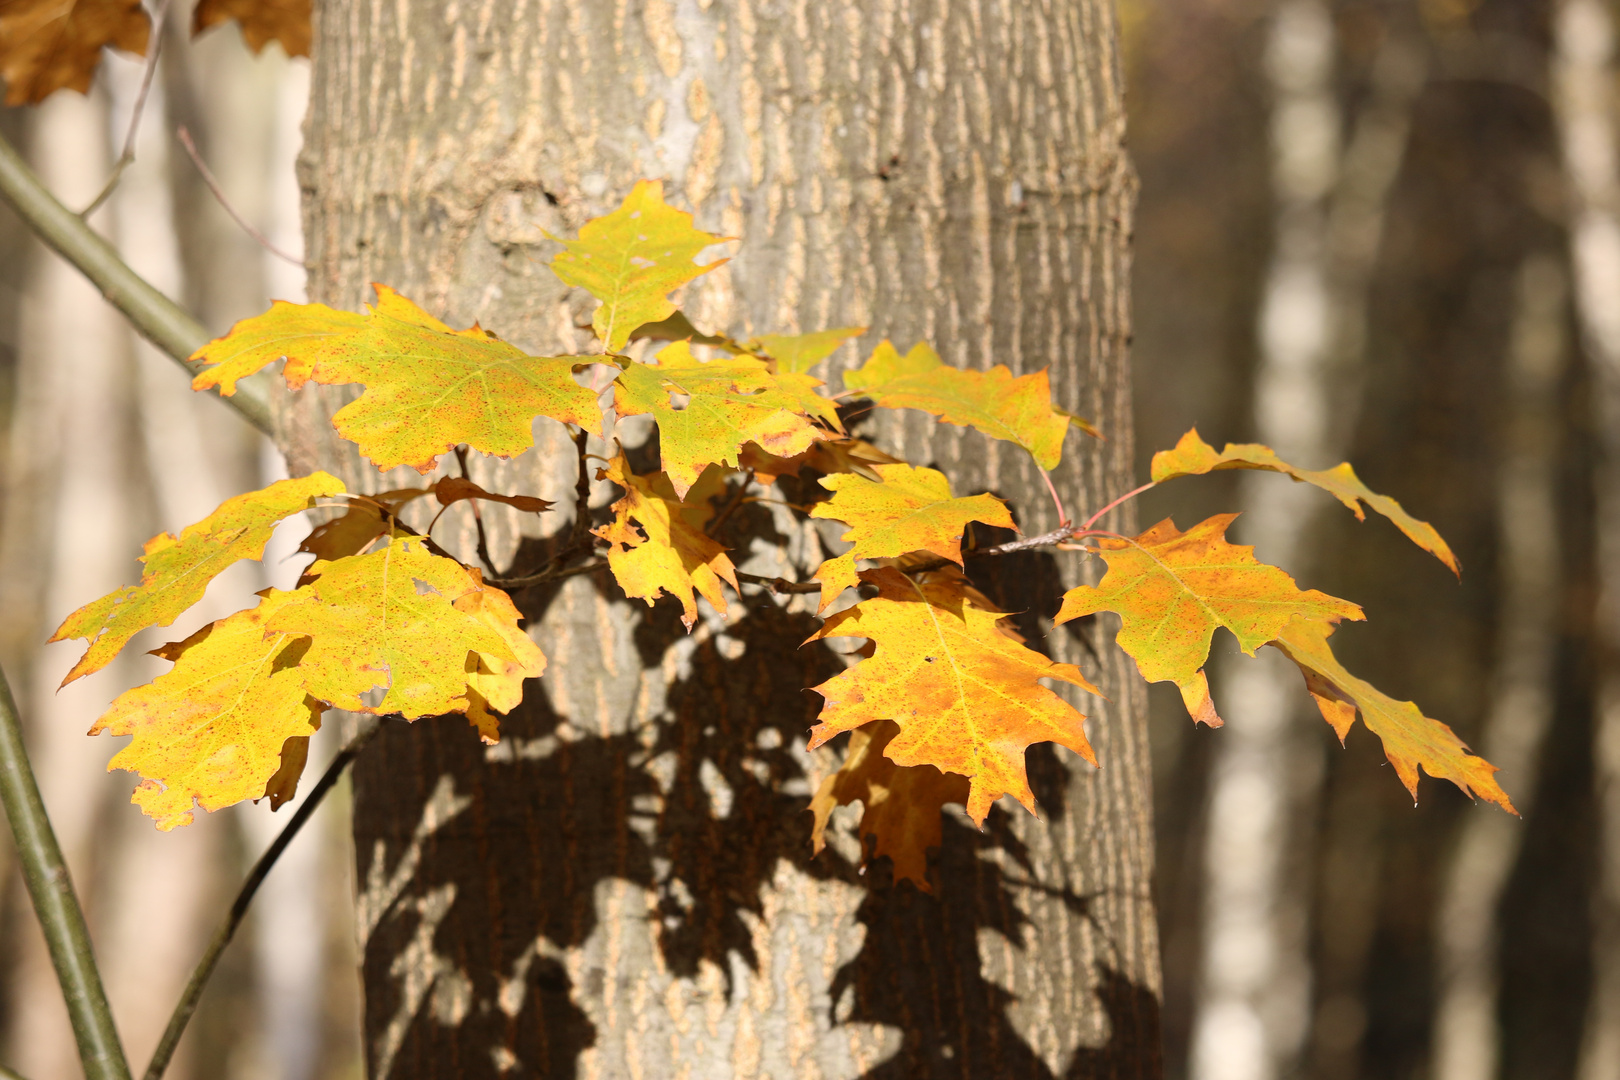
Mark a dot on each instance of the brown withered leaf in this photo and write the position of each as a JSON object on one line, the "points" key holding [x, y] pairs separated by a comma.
{"points": [[46, 45], [262, 21]]}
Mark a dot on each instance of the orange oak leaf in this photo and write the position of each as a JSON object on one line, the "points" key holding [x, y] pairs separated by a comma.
{"points": [[494, 682], [366, 518], [966, 697], [1017, 410], [454, 489], [845, 455], [46, 45], [667, 553], [1171, 589], [1410, 739], [211, 731], [900, 806], [632, 259], [1192, 456], [262, 21], [179, 568], [728, 403], [387, 619], [911, 509], [428, 388]]}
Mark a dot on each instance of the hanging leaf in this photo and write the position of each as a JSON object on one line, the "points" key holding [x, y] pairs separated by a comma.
{"points": [[667, 554], [901, 806], [262, 21], [1192, 456], [211, 731], [1410, 739], [1171, 589], [495, 682], [910, 510], [966, 697], [728, 403], [46, 45], [632, 259], [366, 518], [824, 455], [1016, 410], [454, 489], [387, 619], [428, 388], [178, 569]]}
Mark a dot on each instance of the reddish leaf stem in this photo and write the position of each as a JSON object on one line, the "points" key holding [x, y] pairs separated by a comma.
{"points": [[219, 193], [1133, 493]]}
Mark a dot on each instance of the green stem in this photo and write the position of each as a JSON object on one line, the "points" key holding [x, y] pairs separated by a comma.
{"points": [[155, 316], [55, 903], [7, 1074], [244, 896]]}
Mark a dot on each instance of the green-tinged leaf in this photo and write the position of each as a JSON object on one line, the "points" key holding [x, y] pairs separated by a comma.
{"points": [[211, 731], [911, 509], [728, 403], [388, 619], [1411, 740], [632, 259], [1192, 456], [967, 698], [1171, 590], [178, 569], [798, 353], [428, 388]]}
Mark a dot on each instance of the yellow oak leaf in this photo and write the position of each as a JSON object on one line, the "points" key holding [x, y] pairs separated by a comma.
{"points": [[428, 388], [1192, 456], [846, 455], [911, 509], [966, 697], [1410, 739], [178, 569], [1171, 589], [798, 353], [211, 731], [1016, 410], [46, 45], [666, 554], [901, 806], [495, 682], [728, 403], [632, 259], [262, 21], [387, 619], [366, 518]]}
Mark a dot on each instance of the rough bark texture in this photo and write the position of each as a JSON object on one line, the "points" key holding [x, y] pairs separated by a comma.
{"points": [[622, 887]]}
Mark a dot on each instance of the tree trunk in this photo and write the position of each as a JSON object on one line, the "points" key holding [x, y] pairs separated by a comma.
{"points": [[623, 887]]}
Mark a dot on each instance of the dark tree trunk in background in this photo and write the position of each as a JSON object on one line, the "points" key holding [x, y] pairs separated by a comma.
{"points": [[623, 886]]}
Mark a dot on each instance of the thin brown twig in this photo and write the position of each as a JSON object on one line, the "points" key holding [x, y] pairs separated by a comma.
{"points": [[550, 573], [780, 585], [582, 493], [219, 193], [478, 516], [736, 500], [127, 157]]}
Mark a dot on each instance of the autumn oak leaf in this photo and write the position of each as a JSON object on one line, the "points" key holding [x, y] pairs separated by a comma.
{"points": [[632, 259], [46, 45], [388, 619], [1192, 456], [454, 489], [179, 568], [667, 553], [967, 698], [428, 387], [1172, 589], [366, 518], [901, 805], [911, 509], [843, 455], [798, 353], [262, 21], [1411, 740], [727, 403], [211, 732], [1016, 410]]}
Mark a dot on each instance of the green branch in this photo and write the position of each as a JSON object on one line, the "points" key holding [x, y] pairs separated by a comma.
{"points": [[50, 888], [155, 316]]}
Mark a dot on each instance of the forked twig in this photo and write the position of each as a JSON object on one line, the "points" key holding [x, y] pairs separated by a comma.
{"points": [[127, 157], [219, 194], [244, 896]]}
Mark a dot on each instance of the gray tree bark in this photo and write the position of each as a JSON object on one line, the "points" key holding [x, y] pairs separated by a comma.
{"points": [[622, 887]]}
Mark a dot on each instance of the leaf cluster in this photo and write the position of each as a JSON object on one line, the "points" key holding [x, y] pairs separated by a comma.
{"points": [[942, 697]]}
